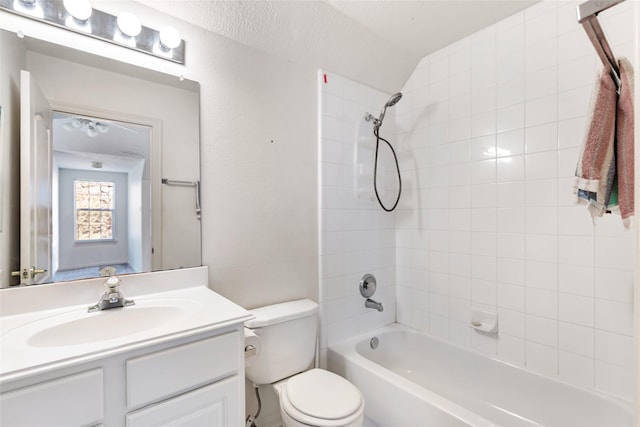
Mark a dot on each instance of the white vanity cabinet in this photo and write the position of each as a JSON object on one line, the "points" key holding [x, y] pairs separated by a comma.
{"points": [[194, 381], [70, 400], [207, 406], [157, 376]]}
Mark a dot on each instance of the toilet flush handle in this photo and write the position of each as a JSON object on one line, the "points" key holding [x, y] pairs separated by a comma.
{"points": [[250, 350]]}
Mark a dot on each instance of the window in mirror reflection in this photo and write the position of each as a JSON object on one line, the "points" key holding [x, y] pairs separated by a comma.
{"points": [[94, 210]]}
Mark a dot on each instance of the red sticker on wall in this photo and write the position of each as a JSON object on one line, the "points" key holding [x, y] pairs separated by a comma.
{"points": [[325, 78]]}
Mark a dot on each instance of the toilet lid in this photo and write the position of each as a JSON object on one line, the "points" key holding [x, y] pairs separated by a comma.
{"points": [[323, 394]]}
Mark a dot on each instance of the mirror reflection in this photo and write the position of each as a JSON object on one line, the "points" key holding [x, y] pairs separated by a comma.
{"points": [[101, 184], [102, 138]]}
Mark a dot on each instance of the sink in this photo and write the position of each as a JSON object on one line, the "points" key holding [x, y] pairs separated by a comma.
{"points": [[105, 325], [53, 330], [78, 327]]}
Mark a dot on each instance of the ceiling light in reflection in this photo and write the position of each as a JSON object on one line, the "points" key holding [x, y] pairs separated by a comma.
{"points": [[90, 127], [129, 24], [169, 38], [79, 9], [92, 132]]}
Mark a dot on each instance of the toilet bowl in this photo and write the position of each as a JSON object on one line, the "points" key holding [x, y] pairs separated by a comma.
{"points": [[319, 398], [283, 343]]}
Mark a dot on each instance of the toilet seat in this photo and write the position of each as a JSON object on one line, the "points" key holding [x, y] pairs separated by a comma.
{"points": [[321, 398]]}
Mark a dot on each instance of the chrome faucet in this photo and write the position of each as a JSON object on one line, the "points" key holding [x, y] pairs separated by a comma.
{"points": [[369, 303], [112, 298], [368, 286]]}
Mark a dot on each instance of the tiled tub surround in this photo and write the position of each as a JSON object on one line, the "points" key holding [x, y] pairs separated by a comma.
{"points": [[489, 133], [356, 235]]}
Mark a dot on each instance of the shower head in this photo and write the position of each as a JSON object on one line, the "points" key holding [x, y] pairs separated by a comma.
{"points": [[393, 100], [390, 103]]}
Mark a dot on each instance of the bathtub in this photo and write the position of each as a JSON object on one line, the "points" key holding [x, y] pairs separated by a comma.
{"points": [[412, 379]]}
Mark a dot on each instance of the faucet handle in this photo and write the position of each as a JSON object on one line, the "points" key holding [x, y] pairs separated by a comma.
{"points": [[112, 283], [107, 271]]}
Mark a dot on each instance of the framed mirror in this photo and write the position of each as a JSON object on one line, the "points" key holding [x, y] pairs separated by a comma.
{"points": [[109, 166]]}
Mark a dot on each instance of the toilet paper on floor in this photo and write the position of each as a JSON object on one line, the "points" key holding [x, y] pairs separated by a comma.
{"points": [[252, 346]]}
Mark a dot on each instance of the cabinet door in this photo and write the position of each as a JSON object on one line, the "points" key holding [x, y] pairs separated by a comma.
{"points": [[215, 405], [166, 373], [74, 400]]}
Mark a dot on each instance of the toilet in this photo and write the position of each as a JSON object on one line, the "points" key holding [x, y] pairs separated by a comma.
{"points": [[308, 397]]}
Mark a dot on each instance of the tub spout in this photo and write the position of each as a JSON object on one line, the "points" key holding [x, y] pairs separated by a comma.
{"points": [[369, 303]]}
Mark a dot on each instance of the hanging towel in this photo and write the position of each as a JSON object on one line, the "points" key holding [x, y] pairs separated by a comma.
{"points": [[596, 168], [624, 143]]}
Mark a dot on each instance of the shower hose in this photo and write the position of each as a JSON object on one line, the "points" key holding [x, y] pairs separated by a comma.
{"points": [[376, 132]]}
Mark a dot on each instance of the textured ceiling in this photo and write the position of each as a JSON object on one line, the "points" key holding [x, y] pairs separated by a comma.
{"points": [[422, 27], [376, 42]]}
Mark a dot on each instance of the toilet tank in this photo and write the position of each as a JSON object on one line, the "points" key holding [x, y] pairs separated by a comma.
{"points": [[287, 332]]}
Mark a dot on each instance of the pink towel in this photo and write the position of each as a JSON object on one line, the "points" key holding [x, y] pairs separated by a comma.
{"points": [[596, 166], [624, 143], [605, 170]]}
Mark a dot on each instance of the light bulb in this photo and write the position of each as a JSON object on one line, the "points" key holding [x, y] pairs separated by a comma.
{"points": [[129, 24], [91, 132], [169, 37], [67, 127], [79, 9], [102, 128], [76, 123], [29, 7]]}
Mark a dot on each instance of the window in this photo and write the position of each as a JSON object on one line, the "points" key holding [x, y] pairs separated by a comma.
{"points": [[93, 210]]}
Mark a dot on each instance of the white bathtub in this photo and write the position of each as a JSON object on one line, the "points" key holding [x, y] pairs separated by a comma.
{"points": [[412, 379]]}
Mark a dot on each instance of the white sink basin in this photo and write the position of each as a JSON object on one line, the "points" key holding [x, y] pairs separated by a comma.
{"points": [[105, 325], [78, 327]]}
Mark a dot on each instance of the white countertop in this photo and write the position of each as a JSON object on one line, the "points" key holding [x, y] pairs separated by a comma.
{"points": [[200, 310]]}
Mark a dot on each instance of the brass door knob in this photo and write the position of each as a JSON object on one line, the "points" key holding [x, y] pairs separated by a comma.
{"points": [[28, 274]]}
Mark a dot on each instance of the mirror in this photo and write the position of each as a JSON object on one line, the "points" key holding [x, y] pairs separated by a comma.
{"points": [[123, 158]]}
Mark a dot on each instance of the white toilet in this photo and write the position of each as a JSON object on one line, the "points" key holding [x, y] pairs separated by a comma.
{"points": [[319, 398]]}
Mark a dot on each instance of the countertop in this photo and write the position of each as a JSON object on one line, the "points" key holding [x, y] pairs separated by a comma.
{"points": [[21, 355]]}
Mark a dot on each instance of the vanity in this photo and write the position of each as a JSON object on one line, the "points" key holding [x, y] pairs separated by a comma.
{"points": [[101, 117], [174, 358]]}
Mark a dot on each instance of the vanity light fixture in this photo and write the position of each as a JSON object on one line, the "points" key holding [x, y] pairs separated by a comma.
{"points": [[129, 24], [124, 30], [80, 10], [169, 38], [28, 8]]}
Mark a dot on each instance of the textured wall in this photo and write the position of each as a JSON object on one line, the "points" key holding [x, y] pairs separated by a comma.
{"points": [[259, 199]]}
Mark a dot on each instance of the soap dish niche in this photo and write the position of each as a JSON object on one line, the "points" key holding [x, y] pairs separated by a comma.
{"points": [[484, 321]]}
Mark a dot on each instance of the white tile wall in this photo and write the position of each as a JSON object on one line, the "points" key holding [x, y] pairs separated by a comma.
{"points": [[356, 237], [492, 126]]}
